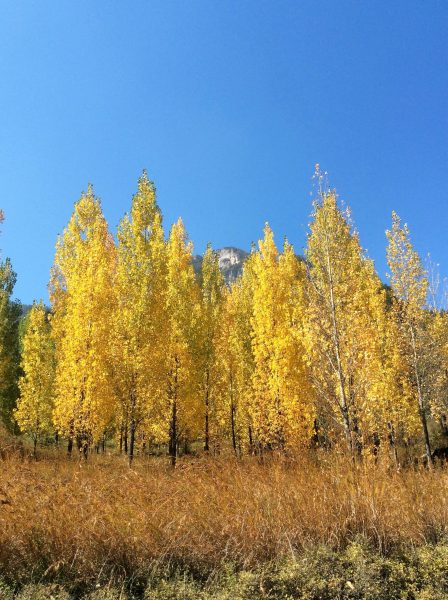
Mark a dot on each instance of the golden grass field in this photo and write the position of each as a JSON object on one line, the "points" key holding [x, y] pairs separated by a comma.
{"points": [[97, 521]]}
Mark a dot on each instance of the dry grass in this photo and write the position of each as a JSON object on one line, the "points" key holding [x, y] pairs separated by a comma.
{"points": [[100, 521]]}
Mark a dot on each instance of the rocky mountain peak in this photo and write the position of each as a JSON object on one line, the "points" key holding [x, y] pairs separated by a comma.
{"points": [[230, 262]]}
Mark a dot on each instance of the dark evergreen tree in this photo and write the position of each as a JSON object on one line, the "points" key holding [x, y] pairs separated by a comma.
{"points": [[10, 317]]}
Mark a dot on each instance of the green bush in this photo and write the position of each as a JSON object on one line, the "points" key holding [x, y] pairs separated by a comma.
{"points": [[357, 573], [106, 593], [175, 589], [6, 592], [42, 592]]}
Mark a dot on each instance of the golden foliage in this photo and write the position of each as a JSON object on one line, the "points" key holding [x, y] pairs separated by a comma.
{"points": [[81, 295], [34, 413], [295, 352]]}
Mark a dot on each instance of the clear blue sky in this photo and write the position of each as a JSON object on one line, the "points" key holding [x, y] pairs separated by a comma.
{"points": [[228, 104]]}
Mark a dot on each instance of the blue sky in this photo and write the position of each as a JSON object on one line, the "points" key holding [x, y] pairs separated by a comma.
{"points": [[228, 104]]}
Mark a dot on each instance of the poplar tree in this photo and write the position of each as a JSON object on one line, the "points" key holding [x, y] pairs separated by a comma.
{"points": [[342, 286], [236, 363], [34, 413], [282, 407], [439, 335], [183, 311], [212, 290], [82, 299], [410, 286], [390, 412], [139, 319]]}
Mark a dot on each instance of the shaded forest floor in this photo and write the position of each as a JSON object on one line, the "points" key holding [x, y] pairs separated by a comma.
{"points": [[313, 527]]}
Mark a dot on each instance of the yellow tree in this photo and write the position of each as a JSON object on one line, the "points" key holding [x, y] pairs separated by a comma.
{"points": [[81, 293], [235, 363], [283, 403], [212, 289], [439, 336], [35, 405], [138, 324], [183, 311], [391, 413], [410, 286], [342, 290], [436, 346]]}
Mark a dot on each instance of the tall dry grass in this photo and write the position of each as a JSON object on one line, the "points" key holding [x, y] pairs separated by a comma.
{"points": [[99, 521]]}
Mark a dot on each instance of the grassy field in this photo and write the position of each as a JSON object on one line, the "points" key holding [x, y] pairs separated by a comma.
{"points": [[281, 528]]}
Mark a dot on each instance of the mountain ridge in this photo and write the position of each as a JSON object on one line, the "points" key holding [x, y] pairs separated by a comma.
{"points": [[230, 260]]}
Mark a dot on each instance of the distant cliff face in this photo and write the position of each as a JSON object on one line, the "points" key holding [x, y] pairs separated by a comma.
{"points": [[230, 261]]}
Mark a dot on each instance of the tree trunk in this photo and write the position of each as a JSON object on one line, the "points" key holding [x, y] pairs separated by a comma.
{"points": [[173, 420], [340, 372], [132, 441], [133, 428], [314, 442], [207, 432], [232, 417], [70, 440], [173, 434], [444, 425], [279, 433], [84, 447], [421, 402], [393, 443], [251, 441]]}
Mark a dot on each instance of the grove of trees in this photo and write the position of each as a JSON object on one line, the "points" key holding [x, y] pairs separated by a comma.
{"points": [[315, 351]]}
